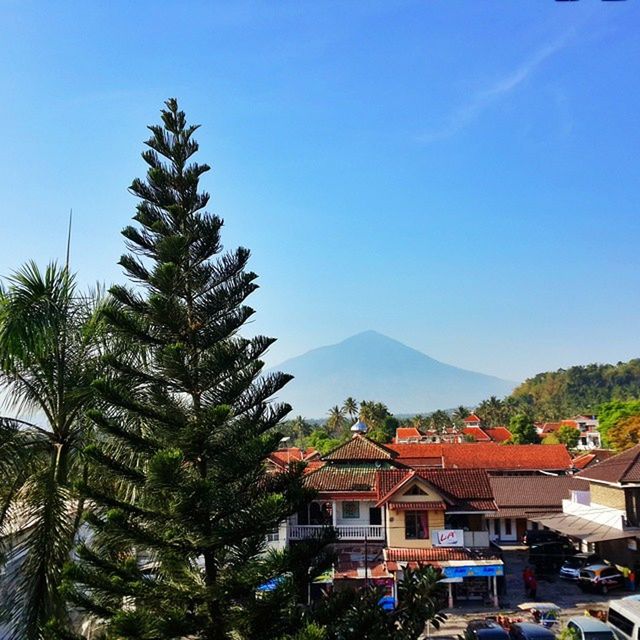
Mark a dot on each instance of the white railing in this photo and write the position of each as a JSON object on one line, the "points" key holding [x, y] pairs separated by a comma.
{"points": [[350, 532]]}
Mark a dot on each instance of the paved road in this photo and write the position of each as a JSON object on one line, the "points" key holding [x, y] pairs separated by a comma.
{"points": [[564, 593]]}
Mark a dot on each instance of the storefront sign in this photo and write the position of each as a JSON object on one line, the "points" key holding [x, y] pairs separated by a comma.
{"points": [[448, 538], [475, 571]]}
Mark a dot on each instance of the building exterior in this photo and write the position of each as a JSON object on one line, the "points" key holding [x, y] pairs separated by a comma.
{"points": [[520, 498], [388, 516], [605, 517]]}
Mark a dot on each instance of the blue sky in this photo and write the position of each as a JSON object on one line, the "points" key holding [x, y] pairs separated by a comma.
{"points": [[462, 176]]}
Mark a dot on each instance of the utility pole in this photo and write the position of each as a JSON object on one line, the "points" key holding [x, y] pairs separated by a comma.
{"points": [[366, 559]]}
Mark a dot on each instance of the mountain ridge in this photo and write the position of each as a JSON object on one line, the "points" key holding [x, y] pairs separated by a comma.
{"points": [[372, 366]]}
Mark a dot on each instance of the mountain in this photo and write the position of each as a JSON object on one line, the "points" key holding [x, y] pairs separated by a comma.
{"points": [[372, 366]]}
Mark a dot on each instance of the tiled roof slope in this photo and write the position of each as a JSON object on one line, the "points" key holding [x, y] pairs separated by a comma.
{"points": [[625, 467], [591, 457], [490, 455], [407, 432], [342, 479], [360, 448], [534, 491], [443, 554], [498, 434], [464, 489], [477, 434]]}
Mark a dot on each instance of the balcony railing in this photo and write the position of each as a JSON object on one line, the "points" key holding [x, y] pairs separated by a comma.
{"points": [[345, 532]]}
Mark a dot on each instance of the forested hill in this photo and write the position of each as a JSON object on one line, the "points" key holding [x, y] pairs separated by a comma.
{"points": [[558, 394]]}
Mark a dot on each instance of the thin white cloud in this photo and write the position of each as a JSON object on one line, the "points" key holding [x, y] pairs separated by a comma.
{"points": [[482, 100]]}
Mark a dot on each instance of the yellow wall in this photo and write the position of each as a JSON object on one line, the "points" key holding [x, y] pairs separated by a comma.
{"points": [[607, 496], [395, 519]]}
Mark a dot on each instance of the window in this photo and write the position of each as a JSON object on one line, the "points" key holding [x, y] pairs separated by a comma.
{"points": [[496, 528], [375, 515], [507, 527], [273, 535], [620, 622], [416, 525], [350, 510]]}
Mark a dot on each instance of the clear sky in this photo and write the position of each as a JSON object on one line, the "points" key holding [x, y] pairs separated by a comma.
{"points": [[461, 175]]}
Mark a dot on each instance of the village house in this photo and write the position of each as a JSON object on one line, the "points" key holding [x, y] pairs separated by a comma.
{"points": [[587, 426], [521, 498], [605, 516], [388, 516]]}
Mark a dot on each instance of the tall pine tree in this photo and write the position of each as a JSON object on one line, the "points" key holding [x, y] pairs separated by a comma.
{"points": [[184, 505]]}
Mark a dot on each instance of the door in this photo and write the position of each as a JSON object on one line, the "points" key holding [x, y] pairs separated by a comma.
{"points": [[510, 531]]}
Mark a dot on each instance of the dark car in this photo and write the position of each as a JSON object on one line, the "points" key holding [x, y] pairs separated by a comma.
{"points": [[548, 557], [537, 536], [485, 630], [530, 631], [600, 577], [570, 568]]}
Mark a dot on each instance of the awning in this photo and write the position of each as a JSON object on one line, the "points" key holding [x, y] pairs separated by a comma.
{"points": [[577, 527], [519, 512]]}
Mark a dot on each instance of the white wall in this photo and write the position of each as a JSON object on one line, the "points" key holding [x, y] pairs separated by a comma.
{"points": [[364, 513]]}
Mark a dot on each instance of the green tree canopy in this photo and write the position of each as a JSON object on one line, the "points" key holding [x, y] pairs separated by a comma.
{"points": [[523, 431]]}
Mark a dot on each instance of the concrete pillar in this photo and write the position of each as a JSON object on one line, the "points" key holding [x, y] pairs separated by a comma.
{"points": [[495, 592], [334, 513], [450, 596]]}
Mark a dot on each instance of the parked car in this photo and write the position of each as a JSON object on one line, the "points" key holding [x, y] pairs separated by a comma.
{"points": [[549, 556], [588, 628], [570, 568], [600, 577], [530, 631], [624, 617], [537, 536], [485, 630]]}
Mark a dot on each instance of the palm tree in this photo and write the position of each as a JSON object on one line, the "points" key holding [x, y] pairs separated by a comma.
{"points": [[47, 363], [459, 414], [350, 407], [335, 422]]}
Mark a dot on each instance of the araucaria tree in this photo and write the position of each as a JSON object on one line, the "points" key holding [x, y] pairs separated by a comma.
{"points": [[178, 538]]}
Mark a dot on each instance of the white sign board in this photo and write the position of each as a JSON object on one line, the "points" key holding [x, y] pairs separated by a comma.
{"points": [[448, 538]]}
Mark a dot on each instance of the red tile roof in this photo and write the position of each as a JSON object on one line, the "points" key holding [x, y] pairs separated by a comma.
{"points": [[592, 457], [360, 448], [335, 479], [407, 432], [282, 457], [619, 469], [477, 434], [463, 489], [539, 492], [433, 554], [429, 505], [472, 417], [498, 434], [489, 455]]}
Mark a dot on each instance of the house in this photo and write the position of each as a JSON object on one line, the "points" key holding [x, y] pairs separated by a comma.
{"points": [[585, 460], [486, 434], [472, 420], [523, 459], [519, 498], [605, 518], [381, 509], [411, 435], [589, 432], [586, 425]]}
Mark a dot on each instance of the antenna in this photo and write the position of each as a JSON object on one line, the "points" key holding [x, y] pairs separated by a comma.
{"points": [[66, 262]]}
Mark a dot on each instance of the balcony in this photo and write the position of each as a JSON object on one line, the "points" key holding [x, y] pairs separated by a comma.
{"points": [[350, 532]]}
